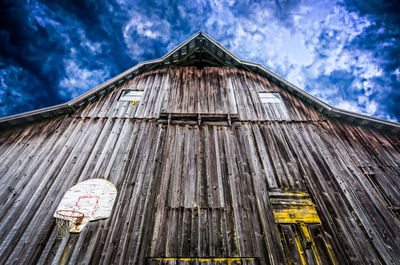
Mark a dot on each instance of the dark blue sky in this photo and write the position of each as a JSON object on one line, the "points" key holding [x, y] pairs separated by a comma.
{"points": [[346, 53]]}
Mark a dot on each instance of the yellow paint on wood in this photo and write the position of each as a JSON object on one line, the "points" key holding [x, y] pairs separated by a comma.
{"points": [[300, 248], [216, 260], [297, 194], [289, 202], [316, 256], [309, 242], [305, 233], [296, 208], [294, 211], [291, 217], [330, 252]]}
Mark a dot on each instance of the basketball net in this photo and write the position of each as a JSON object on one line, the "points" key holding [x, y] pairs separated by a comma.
{"points": [[66, 220]]}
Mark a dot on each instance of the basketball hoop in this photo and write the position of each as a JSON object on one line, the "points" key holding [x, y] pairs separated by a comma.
{"points": [[66, 219], [85, 202]]}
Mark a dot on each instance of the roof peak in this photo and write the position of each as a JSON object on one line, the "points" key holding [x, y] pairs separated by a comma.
{"points": [[199, 50]]}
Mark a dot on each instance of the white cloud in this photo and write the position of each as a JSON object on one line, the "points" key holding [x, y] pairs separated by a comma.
{"points": [[260, 37], [348, 105], [307, 42], [318, 42], [397, 73], [78, 79], [141, 28], [41, 15]]}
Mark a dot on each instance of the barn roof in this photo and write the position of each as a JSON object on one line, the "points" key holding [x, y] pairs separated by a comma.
{"points": [[198, 49]]}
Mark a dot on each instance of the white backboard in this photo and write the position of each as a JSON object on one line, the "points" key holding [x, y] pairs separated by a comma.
{"points": [[93, 197]]}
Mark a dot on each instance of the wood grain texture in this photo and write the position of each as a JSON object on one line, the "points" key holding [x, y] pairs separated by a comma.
{"points": [[188, 90], [199, 192]]}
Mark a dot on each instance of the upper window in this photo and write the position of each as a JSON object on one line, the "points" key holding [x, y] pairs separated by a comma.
{"points": [[274, 106], [270, 98], [131, 95]]}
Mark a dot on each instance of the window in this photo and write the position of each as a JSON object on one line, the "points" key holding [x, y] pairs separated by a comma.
{"points": [[267, 98], [131, 95], [274, 106]]}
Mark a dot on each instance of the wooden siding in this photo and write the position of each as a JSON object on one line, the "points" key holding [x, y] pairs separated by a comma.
{"points": [[190, 194], [188, 90]]}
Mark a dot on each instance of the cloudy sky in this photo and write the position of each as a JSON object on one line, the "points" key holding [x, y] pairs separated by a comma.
{"points": [[346, 53]]}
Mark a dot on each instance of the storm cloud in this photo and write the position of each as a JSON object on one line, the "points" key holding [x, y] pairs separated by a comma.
{"points": [[343, 52]]}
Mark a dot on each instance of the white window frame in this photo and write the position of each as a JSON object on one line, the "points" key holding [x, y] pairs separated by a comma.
{"points": [[133, 96], [269, 98]]}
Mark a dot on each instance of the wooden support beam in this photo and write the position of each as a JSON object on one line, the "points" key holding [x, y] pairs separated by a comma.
{"points": [[190, 53], [169, 118], [215, 57], [199, 119]]}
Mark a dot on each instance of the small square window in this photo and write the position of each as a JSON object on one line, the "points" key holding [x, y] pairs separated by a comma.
{"points": [[274, 106], [270, 98], [131, 95]]}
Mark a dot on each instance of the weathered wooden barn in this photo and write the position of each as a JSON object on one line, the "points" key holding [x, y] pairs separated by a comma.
{"points": [[216, 161]]}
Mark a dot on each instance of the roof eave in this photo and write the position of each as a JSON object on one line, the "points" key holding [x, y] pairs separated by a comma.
{"points": [[95, 93]]}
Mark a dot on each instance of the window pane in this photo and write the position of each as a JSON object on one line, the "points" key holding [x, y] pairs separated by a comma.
{"points": [[274, 106], [131, 95]]}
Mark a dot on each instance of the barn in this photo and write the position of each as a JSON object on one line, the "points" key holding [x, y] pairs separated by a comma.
{"points": [[214, 160]]}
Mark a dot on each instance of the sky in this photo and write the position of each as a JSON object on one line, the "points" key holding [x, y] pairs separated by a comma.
{"points": [[346, 53]]}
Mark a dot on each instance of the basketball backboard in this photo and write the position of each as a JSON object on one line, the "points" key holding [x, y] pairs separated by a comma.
{"points": [[93, 197]]}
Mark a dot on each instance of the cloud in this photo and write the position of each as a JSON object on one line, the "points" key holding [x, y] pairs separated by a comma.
{"points": [[344, 52], [58, 46], [78, 80], [141, 32], [18, 91], [313, 47]]}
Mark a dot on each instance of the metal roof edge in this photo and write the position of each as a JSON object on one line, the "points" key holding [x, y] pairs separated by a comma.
{"points": [[321, 105], [95, 93], [74, 104], [325, 107], [35, 115], [113, 82]]}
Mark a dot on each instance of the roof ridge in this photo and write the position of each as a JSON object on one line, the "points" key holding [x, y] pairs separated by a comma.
{"points": [[168, 59]]}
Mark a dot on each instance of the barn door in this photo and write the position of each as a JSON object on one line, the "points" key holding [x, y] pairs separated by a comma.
{"points": [[300, 229]]}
